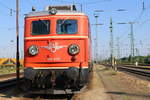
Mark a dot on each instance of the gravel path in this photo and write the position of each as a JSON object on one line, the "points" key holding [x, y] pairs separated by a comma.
{"points": [[121, 86], [95, 89]]}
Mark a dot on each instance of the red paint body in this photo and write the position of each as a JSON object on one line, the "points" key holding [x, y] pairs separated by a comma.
{"points": [[57, 58]]}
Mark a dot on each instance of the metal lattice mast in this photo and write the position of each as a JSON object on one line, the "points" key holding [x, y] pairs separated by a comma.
{"points": [[111, 38], [96, 39], [96, 15], [118, 47], [111, 43], [132, 41]]}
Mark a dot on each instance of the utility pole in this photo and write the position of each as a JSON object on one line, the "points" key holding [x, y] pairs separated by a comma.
{"points": [[132, 42], [17, 43], [111, 43]]}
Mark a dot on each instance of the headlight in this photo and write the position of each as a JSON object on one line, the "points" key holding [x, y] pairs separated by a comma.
{"points": [[73, 49], [33, 50], [53, 11]]}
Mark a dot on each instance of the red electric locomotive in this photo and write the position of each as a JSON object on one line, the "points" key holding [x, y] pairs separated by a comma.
{"points": [[57, 48]]}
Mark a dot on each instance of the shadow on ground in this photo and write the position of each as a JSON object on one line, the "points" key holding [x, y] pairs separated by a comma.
{"points": [[17, 93]]}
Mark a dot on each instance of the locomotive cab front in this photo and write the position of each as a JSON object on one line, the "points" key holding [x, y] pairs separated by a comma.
{"points": [[56, 48]]}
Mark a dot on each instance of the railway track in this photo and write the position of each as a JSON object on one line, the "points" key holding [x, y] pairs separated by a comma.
{"points": [[10, 80], [138, 67], [9, 83], [140, 71], [9, 75]]}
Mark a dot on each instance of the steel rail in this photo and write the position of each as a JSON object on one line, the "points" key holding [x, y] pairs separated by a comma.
{"points": [[9, 83], [137, 67], [134, 71], [148, 65], [9, 75], [12, 81]]}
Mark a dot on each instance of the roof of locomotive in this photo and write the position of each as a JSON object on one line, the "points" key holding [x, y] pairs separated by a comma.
{"points": [[59, 12]]}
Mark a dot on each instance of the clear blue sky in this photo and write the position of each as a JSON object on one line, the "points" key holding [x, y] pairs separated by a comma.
{"points": [[133, 13]]}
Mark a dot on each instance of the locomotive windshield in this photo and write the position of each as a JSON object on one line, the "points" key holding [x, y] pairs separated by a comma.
{"points": [[40, 27], [66, 26]]}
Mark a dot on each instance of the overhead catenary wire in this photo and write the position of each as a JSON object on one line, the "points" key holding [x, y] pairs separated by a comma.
{"points": [[141, 15], [5, 6], [63, 1], [144, 22], [138, 18], [85, 3], [95, 2], [10, 28], [10, 9]]}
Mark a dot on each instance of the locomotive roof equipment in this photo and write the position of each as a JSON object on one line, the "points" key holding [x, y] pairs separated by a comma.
{"points": [[61, 7]]}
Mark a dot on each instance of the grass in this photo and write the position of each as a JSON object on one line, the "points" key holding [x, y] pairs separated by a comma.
{"points": [[113, 72], [110, 71]]}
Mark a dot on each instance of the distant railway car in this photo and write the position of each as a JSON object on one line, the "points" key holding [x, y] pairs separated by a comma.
{"points": [[57, 48]]}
